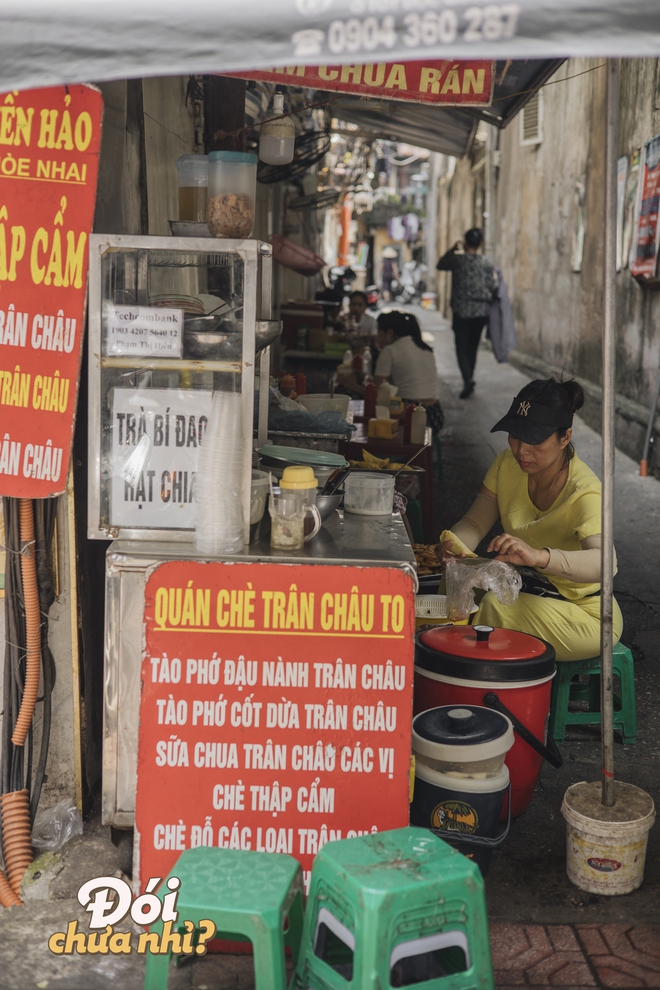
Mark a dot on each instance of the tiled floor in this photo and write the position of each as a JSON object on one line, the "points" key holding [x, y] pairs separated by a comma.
{"points": [[576, 956]]}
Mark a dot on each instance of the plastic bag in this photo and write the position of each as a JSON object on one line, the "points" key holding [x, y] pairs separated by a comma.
{"points": [[287, 415], [55, 826], [463, 576], [332, 421]]}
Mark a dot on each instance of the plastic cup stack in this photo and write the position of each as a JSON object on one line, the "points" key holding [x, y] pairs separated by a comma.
{"points": [[219, 483]]}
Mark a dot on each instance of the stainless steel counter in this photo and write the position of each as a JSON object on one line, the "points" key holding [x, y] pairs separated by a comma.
{"points": [[344, 539]]}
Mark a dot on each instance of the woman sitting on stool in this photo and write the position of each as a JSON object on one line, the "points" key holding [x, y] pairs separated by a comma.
{"points": [[407, 362], [549, 504]]}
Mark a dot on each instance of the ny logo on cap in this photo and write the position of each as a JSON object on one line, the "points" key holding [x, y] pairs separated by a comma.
{"points": [[524, 408]]}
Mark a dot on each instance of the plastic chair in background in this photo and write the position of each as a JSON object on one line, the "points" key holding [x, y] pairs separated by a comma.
{"points": [[248, 895], [564, 691], [393, 909]]}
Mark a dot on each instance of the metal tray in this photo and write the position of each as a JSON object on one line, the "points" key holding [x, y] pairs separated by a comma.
{"points": [[413, 469]]}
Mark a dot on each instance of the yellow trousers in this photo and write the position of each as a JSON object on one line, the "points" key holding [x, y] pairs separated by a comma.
{"points": [[572, 628]]}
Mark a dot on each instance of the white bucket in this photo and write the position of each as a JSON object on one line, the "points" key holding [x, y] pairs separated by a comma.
{"points": [[606, 847]]}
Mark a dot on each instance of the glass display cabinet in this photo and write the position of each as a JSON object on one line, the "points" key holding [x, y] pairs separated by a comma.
{"points": [[172, 321]]}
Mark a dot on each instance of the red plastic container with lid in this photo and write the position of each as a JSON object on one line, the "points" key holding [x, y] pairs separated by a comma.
{"points": [[460, 665]]}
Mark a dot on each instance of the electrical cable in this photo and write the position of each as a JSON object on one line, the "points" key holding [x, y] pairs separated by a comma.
{"points": [[32, 623], [406, 161], [315, 201], [11, 761], [16, 760]]}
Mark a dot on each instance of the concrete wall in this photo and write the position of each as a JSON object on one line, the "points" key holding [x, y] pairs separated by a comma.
{"points": [[169, 132], [146, 127], [558, 311], [119, 206]]}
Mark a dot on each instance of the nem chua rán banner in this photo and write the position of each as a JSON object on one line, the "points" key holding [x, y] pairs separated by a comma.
{"points": [[49, 149], [444, 82]]}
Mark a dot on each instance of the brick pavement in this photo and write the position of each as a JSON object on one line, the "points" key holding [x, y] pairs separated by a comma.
{"points": [[576, 957]]}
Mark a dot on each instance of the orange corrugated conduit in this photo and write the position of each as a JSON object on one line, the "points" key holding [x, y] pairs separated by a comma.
{"points": [[32, 623], [7, 896], [16, 825], [16, 836]]}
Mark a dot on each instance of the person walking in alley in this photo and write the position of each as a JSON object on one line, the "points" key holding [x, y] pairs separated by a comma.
{"points": [[473, 283], [389, 271]]}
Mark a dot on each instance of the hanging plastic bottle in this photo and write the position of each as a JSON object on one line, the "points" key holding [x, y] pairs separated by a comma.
{"points": [[277, 138], [418, 425], [370, 397], [366, 362]]}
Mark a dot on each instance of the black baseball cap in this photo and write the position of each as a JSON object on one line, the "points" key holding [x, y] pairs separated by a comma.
{"points": [[531, 422]]}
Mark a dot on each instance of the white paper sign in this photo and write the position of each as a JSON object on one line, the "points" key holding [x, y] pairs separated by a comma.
{"points": [[156, 433], [144, 331]]}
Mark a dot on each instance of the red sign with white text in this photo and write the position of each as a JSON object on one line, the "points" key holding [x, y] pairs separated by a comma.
{"points": [[276, 708], [440, 82], [49, 150], [645, 258]]}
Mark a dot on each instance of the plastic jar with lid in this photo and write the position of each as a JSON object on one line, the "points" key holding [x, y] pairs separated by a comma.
{"points": [[300, 479], [232, 193], [193, 175], [277, 137]]}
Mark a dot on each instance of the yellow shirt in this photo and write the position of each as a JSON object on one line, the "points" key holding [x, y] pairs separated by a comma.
{"points": [[573, 516]]}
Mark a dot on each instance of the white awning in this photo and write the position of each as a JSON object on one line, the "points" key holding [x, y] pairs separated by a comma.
{"points": [[45, 42]]}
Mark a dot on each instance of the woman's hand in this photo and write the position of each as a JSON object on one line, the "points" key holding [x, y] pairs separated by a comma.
{"points": [[511, 550], [444, 553]]}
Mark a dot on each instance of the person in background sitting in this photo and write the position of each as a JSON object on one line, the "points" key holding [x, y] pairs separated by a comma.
{"points": [[361, 328], [407, 362]]}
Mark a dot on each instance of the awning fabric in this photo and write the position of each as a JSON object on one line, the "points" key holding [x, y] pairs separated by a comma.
{"points": [[448, 131], [44, 42]]}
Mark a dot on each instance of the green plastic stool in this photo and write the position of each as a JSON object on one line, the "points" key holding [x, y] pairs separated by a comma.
{"points": [[395, 909], [564, 691], [246, 894]]}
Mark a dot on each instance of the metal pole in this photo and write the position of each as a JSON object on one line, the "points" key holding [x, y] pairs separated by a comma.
{"points": [[608, 374], [648, 439], [431, 222]]}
